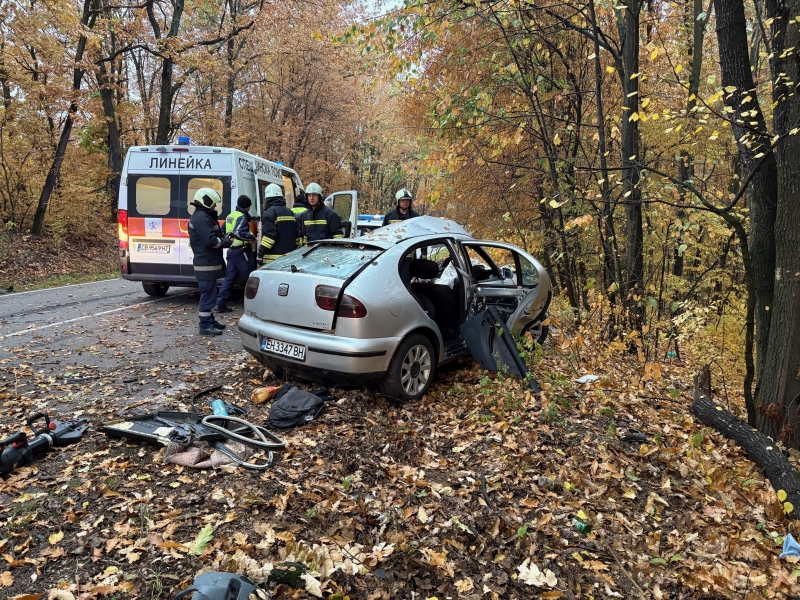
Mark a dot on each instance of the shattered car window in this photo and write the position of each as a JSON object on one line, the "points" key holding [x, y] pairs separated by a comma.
{"points": [[530, 274], [334, 260]]}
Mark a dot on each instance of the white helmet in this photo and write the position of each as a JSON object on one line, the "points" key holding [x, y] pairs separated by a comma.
{"points": [[314, 188], [273, 190], [207, 197], [403, 194]]}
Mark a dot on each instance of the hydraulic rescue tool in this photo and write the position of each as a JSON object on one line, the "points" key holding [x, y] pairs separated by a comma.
{"points": [[17, 451]]}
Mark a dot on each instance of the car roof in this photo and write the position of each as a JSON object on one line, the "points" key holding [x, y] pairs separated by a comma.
{"points": [[413, 228]]}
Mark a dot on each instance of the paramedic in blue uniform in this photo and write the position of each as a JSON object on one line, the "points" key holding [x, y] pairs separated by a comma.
{"points": [[240, 260], [403, 210], [207, 242], [320, 222]]}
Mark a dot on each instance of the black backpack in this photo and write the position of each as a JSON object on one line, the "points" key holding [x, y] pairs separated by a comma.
{"points": [[294, 407]]}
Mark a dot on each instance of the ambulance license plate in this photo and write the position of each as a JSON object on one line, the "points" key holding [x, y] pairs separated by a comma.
{"points": [[273, 346], [154, 248]]}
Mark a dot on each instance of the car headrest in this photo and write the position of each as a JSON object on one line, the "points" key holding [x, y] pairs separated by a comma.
{"points": [[422, 268]]}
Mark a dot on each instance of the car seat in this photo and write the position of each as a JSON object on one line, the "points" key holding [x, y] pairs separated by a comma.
{"points": [[444, 300]]}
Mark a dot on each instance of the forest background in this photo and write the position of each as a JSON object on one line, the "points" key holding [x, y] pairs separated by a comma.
{"points": [[645, 151]]}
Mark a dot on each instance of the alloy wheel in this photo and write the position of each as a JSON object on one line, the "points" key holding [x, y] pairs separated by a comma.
{"points": [[415, 370]]}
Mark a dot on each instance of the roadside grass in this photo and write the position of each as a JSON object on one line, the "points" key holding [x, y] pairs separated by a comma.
{"points": [[67, 279]]}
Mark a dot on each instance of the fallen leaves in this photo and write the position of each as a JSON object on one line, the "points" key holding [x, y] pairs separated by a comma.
{"points": [[202, 540], [56, 537], [530, 574]]}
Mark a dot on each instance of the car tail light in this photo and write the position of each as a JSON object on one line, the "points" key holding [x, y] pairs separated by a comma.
{"points": [[251, 289], [326, 295], [350, 308], [122, 228]]}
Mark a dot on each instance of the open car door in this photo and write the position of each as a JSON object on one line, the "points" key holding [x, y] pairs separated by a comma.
{"points": [[512, 281], [346, 206]]}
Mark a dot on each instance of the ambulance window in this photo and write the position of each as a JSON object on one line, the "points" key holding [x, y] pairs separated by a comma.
{"points": [[200, 182], [152, 196], [289, 191]]}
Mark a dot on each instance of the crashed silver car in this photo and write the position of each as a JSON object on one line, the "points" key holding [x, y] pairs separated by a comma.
{"points": [[387, 307]]}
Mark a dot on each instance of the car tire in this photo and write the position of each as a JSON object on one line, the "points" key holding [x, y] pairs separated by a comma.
{"points": [[537, 330], [156, 289], [411, 370]]}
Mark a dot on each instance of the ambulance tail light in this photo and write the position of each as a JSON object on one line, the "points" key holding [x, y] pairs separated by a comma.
{"points": [[251, 289], [122, 229]]}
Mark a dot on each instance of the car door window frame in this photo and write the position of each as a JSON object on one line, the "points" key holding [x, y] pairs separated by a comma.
{"points": [[477, 246]]}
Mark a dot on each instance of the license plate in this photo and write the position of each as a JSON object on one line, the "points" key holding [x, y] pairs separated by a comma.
{"points": [[295, 351], [154, 248]]}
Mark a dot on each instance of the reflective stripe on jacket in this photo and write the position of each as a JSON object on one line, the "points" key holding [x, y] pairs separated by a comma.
{"points": [[279, 229], [205, 240], [320, 224], [238, 224]]}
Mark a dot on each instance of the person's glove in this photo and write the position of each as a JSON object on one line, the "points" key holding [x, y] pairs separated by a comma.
{"points": [[226, 242]]}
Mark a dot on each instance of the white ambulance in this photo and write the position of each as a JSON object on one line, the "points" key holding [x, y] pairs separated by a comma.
{"points": [[156, 190]]}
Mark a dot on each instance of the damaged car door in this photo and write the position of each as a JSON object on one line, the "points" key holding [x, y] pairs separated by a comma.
{"points": [[511, 280]]}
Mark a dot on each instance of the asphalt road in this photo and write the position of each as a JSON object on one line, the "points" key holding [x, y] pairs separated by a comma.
{"points": [[106, 342]]}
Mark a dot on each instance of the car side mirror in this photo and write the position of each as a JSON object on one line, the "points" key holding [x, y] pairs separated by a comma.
{"points": [[507, 273]]}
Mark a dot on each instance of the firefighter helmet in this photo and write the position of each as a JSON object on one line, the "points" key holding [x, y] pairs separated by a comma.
{"points": [[273, 191], [314, 188], [207, 198], [403, 194]]}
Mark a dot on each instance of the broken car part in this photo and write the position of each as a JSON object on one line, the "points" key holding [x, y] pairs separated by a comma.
{"points": [[492, 346], [183, 428]]}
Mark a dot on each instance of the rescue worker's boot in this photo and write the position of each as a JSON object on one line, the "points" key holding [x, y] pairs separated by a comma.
{"points": [[219, 325], [209, 331], [224, 308]]}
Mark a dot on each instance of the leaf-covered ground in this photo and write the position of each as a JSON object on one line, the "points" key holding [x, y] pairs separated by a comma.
{"points": [[439, 498], [29, 261]]}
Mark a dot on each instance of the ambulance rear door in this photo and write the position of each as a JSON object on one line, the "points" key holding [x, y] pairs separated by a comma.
{"points": [[202, 168], [153, 185]]}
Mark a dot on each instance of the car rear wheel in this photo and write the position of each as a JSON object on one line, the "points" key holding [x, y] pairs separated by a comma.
{"points": [[411, 370], [155, 288], [537, 330]]}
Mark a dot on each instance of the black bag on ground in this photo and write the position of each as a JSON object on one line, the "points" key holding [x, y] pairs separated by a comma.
{"points": [[294, 407]]}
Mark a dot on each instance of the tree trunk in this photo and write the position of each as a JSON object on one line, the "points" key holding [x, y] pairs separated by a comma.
{"points": [[760, 449], [632, 195], [87, 20], [164, 129], [230, 89], [779, 382], [752, 139], [114, 145], [167, 89], [606, 229]]}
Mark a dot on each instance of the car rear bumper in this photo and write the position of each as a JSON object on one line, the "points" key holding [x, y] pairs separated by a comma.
{"points": [[334, 358]]}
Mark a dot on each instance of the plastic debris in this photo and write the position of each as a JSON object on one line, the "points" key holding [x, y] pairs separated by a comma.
{"points": [[635, 436], [790, 546], [587, 379]]}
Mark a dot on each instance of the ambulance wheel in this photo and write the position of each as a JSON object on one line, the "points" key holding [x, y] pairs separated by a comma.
{"points": [[155, 288]]}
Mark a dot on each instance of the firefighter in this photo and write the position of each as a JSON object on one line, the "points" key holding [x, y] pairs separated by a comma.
{"points": [[280, 231], [319, 222], [301, 204], [403, 210], [240, 259], [207, 242]]}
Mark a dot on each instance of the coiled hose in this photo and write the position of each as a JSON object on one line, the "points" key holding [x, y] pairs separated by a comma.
{"points": [[275, 445]]}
